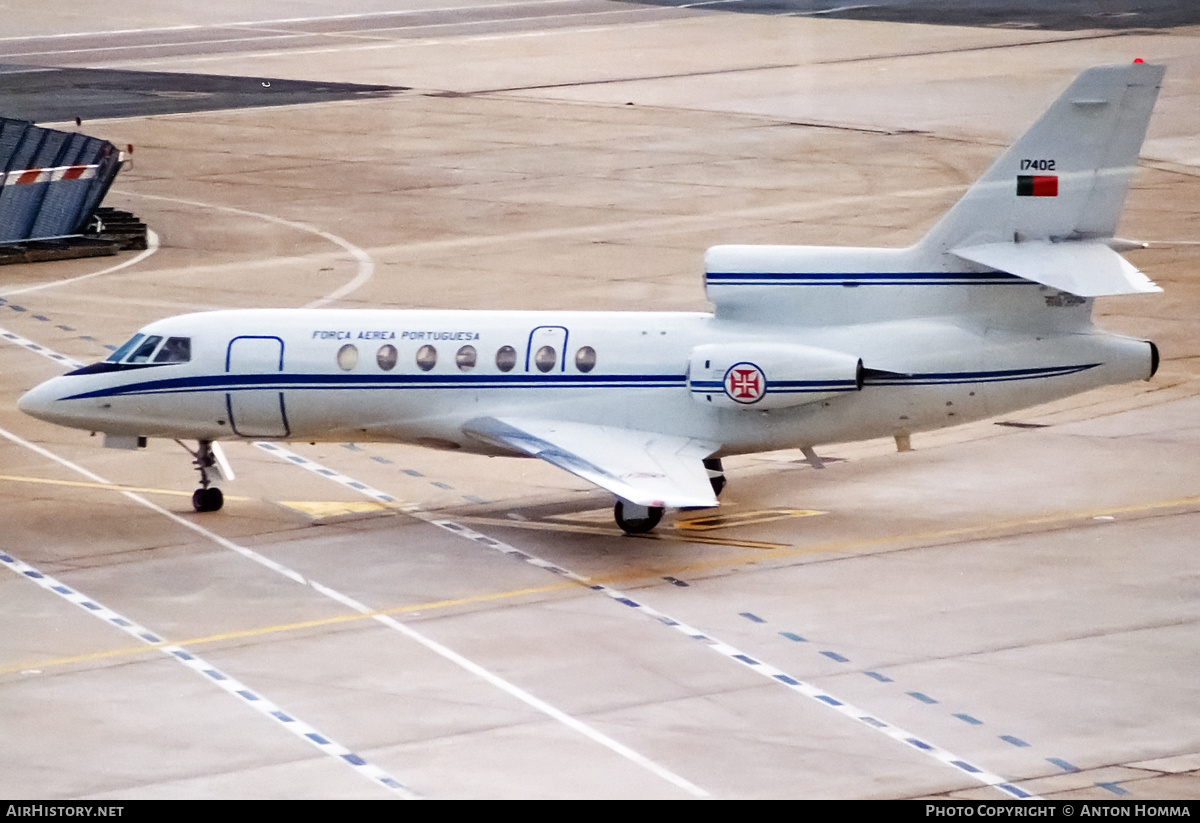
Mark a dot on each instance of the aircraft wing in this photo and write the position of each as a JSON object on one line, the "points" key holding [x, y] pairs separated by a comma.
{"points": [[644, 468]]}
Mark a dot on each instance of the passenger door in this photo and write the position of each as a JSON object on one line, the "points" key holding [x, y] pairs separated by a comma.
{"points": [[255, 404]]}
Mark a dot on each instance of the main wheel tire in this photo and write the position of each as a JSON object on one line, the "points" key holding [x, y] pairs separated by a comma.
{"points": [[208, 500], [634, 519]]}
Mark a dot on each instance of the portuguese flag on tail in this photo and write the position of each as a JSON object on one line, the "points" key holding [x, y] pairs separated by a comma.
{"points": [[1037, 185]]}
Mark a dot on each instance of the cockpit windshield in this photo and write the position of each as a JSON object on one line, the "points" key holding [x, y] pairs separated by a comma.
{"points": [[147, 349], [119, 354]]}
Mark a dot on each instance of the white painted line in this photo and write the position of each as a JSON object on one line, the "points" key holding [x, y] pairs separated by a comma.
{"points": [[280, 21], [430, 644], [824, 698], [152, 246], [366, 266], [213, 675]]}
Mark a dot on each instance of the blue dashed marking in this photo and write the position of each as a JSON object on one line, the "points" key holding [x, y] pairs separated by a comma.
{"points": [[354, 759], [924, 698], [965, 766], [750, 661], [797, 638], [283, 718], [383, 460], [87, 604], [1062, 764], [754, 618], [824, 698], [61, 589], [34, 575], [882, 678], [441, 485], [215, 675], [472, 498], [836, 656], [791, 681], [248, 695], [1016, 741], [920, 744], [413, 473], [627, 602], [1015, 791], [182, 655], [966, 718], [871, 721], [1115, 788]]}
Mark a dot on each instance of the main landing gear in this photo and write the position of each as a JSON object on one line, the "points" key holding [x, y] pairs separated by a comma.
{"points": [[208, 459], [635, 519]]}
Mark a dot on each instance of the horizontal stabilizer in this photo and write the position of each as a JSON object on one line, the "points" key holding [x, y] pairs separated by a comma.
{"points": [[1083, 267], [644, 468]]}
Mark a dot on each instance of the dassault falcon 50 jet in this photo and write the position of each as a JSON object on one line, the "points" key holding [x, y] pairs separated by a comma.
{"points": [[988, 313]]}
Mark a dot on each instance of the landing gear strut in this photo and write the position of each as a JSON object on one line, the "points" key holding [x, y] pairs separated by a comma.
{"points": [[207, 498], [634, 519]]}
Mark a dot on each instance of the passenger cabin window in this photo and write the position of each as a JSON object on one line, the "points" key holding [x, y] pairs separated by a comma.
{"points": [[465, 358], [387, 357], [142, 353], [585, 359], [545, 358], [506, 358], [347, 357], [175, 350], [426, 358]]}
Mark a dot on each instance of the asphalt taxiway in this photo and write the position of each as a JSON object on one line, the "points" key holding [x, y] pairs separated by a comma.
{"points": [[1006, 610]]}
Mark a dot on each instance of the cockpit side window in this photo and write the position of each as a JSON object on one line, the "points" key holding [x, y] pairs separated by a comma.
{"points": [[175, 350], [119, 354], [143, 352]]}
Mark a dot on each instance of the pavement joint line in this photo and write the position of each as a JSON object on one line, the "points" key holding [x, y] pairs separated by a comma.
{"points": [[212, 674], [428, 643], [798, 686]]}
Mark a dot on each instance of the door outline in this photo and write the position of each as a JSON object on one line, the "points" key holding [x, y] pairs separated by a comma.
{"points": [[560, 344], [256, 407]]}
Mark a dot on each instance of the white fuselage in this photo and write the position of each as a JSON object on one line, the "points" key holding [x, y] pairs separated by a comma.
{"points": [[289, 374]]}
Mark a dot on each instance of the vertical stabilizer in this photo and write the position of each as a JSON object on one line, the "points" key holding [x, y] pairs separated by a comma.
{"points": [[1066, 179]]}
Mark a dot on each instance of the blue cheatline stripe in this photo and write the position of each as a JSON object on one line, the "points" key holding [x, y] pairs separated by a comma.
{"points": [[883, 278], [212, 674], [296, 382], [754, 664], [780, 386], [341, 382]]}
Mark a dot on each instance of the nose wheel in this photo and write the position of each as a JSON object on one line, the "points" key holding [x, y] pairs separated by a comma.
{"points": [[211, 464], [208, 500]]}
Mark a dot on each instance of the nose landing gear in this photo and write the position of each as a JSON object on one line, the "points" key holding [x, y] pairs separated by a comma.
{"points": [[208, 458]]}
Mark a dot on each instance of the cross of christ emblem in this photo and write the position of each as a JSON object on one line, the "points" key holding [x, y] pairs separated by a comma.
{"points": [[745, 383]]}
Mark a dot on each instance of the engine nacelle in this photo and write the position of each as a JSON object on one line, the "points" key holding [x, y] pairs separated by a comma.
{"points": [[770, 376]]}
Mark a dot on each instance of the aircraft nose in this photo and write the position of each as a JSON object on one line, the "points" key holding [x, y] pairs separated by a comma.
{"points": [[38, 401]]}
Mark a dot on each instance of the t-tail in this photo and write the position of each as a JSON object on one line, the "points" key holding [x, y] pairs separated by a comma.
{"points": [[1045, 212]]}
